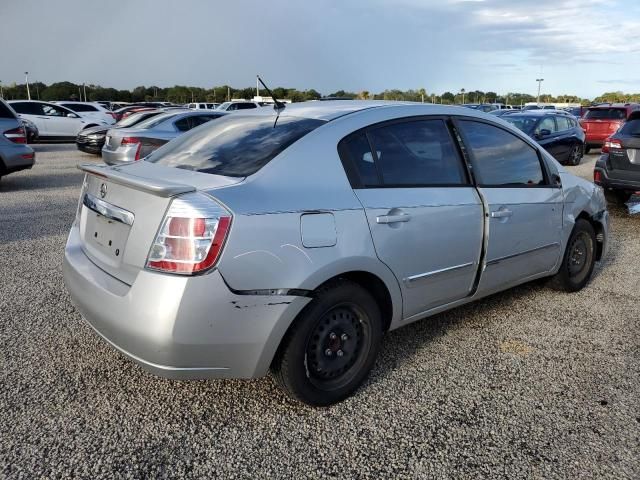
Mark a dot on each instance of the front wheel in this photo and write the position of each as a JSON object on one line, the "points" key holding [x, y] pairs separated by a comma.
{"points": [[579, 259], [332, 346]]}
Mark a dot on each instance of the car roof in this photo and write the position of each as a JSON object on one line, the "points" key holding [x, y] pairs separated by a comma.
{"points": [[338, 108]]}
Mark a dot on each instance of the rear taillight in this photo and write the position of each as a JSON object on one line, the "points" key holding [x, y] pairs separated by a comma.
{"points": [[16, 135], [191, 237], [610, 143], [132, 141], [597, 176]]}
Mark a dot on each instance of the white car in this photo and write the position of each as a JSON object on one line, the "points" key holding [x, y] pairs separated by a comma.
{"points": [[90, 109], [203, 106], [54, 122], [238, 105]]}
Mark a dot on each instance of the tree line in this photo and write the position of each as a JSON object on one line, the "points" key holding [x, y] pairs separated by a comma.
{"points": [[185, 94]]}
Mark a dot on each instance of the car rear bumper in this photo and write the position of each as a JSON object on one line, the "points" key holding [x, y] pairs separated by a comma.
{"points": [[16, 157], [179, 327], [628, 181], [595, 139], [120, 155]]}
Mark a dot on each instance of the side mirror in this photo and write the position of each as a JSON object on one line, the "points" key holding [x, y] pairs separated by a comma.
{"points": [[555, 180], [543, 133], [72, 115]]}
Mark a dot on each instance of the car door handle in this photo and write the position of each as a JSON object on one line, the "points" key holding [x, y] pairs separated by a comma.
{"points": [[501, 214], [43, 118], [403, 217]]}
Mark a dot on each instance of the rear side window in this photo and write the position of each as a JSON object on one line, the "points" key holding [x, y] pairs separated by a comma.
{"points": [[182, 124], [606, 114], [5, 111], [499, 157], [235, 146], [546, 124], [76, 107], [246, 106]]}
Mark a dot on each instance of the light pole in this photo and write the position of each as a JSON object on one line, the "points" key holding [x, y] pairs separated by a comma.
{"points": [[26, 77], [462, 90], [1, 94], [539, 80]]}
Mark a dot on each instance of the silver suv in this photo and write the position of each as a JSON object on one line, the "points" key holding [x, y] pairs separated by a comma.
{"points": [[15, 155], [294, 241]]}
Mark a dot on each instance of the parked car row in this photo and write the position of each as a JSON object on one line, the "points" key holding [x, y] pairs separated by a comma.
{"points": [[292, 240]]}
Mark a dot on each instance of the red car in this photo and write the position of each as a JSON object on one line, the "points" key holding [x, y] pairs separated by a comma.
{"points": [[601, 121]]}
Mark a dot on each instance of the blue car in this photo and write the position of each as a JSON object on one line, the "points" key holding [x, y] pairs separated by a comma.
{"points": [[558, 132]]}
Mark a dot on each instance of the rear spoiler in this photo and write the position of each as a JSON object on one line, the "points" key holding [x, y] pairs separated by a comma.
{"points": [[160, 188]]}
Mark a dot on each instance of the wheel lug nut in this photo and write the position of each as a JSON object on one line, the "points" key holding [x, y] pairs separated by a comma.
{"points": [[344, 337], [339, 353], [333, 336], [328, 352]]}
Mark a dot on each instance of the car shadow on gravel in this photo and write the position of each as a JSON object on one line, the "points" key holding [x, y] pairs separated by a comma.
{"points": [[53, 147]]}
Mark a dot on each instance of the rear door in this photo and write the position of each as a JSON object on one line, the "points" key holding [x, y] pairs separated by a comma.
{"points": [[62, 122], [524, 207], [426, 219]]}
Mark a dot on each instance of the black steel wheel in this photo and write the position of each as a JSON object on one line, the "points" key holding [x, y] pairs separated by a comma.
{"points": [[332, 345], [579, 259]]}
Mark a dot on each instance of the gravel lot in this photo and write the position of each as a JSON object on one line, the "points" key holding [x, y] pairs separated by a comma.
{"points": [[530, 383]]}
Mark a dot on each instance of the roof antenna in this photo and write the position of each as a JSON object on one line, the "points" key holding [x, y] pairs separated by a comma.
{"points": [[277, 104]]}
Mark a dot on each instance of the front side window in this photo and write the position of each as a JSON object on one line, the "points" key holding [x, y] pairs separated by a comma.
{"points": [[54, 111], [499, 157], [236, 146], [28, 108], [547, 123], [563, 124], [78, 107]]}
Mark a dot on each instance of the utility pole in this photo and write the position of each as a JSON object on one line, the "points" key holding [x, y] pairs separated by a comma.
{"points": [[539, 80], [257, 86], [1, 95], [228, 94], [84, 87], [26, 77]]}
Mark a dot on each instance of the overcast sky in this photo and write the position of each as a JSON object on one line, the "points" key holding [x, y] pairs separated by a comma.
{"points": [[582, 47]]}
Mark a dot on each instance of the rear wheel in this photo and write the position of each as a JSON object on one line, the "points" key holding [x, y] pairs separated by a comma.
{"points": [[579, 259], [332, 346], [575, 155]]}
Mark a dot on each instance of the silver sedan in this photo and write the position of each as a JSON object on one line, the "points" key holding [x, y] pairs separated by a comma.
{"points": [[293, 241], [123, 145]]}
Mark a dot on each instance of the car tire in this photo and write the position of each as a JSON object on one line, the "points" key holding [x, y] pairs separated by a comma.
{"points": [[587, 149], [332, 345], [578, 260], [618, 197], [575, 155]]}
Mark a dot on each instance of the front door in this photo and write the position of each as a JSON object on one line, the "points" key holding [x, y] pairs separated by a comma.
{"points": [[425, 217], [524, 207]]}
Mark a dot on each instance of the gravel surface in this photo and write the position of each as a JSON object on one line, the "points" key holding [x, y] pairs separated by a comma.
{"points": [[529, 383]]}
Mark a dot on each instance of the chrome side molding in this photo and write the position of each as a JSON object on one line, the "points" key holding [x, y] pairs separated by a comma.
{"points": [[107, 210], [414, 278]]}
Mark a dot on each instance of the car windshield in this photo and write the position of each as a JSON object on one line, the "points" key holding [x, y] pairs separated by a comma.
{"points": [[155, 121], [605, 114], [235, 146], [631, 128], [224, 106], [521, 122]]}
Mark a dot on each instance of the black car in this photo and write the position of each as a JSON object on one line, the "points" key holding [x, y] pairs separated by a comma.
{"points": [[558, 132], [31, 130], [618, 168], [91, 140]]}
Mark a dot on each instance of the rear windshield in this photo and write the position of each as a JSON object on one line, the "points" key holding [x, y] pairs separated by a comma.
{"points": [[5, 111], [155, 121], [234, 146], [606, 114], [136, 118], [631, 127]]}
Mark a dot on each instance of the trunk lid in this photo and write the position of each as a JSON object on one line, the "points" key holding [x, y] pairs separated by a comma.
{"points": [[121, 209]]}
